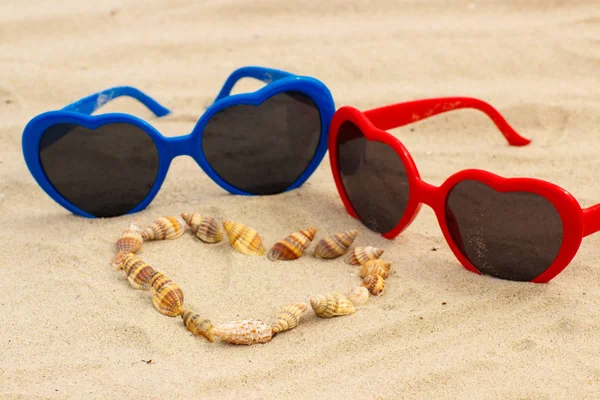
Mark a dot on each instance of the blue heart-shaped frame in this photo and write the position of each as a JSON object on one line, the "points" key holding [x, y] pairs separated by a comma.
{"points": [[171, 147]]}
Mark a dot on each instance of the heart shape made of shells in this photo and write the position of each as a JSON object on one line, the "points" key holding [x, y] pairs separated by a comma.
{"points": [[167, 296]]}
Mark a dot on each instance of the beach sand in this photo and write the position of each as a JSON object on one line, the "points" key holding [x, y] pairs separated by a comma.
{"points": [[71, 327]]}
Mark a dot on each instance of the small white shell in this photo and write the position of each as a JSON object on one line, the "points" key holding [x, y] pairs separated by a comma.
{"points": [[359, 296], [246, 331]]}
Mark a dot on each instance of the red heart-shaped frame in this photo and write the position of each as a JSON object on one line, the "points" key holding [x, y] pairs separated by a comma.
{"points": [[571, 214]]}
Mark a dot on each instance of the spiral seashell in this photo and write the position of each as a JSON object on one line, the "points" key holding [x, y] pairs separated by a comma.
{"points": [[292, 246], [243, 238], [335, 246], [375, 284], [377, 267], [157, 280], [139, 275], [129, 262], [168, 299], [129, 242], [163, 228], [244, 332], [360, 255], [359, 296], [332, 305], [289, 317], [197, 325], [205, 228]]}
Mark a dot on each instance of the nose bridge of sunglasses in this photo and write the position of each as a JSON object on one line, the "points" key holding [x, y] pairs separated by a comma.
{"points": [[428, 194], [182, 146]]}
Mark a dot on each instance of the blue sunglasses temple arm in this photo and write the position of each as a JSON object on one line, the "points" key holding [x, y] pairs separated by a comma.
{"points": [[266, 75], [91, 103]]}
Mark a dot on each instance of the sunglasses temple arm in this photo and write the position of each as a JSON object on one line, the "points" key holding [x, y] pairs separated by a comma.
{"points": [[591, 220], [91, 103], [266, 75], [402, 114]]}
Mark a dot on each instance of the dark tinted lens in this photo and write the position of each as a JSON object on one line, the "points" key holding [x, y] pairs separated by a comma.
{"points": [[513, 235], [264, 149], [374, 179], [105, 172]]}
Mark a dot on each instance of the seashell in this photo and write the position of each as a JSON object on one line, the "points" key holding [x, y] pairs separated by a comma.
{"points": [[205, 228], [289, 317], [360, 255], [331, 305], [129, 262], [129, 242], [359, 296], [243, 238], [375, 284], [246, 331], [197, 325], [335, 246], [377, 267], [157, 280], [292, 246], [163, 228], [139, 275], [168, 299]]}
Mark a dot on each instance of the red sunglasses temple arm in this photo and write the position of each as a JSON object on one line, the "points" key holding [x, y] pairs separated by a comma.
{"points": [[266, 75], [591, 220], [91, 103], [401, 114]]}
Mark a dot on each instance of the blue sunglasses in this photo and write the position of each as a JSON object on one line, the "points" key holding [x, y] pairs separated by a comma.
{"points": [[260, 143]]}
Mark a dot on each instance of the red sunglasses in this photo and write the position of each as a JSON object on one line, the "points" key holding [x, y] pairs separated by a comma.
{"points": [[519, 229]]}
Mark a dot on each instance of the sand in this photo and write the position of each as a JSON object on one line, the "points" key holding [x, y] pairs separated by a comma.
{"points": [[71, 327]]}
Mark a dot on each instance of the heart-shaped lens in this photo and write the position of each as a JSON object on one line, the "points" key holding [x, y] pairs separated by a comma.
{"points": [[510, 235], [105, 172], [374, 179], [264, 149]]}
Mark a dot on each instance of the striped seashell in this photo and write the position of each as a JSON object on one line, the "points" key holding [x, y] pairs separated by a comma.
{"points": [[246, 331], [289, 317], [129, 242], [163, 228], [332, 305], [360, 255], [197, 325], [130, 262], [157, 280], [335, 246], [168, 300], [375, 284], [292, 246], [139, 276], [377, 267], [243, 238], [359, 296], [205, 228]]}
